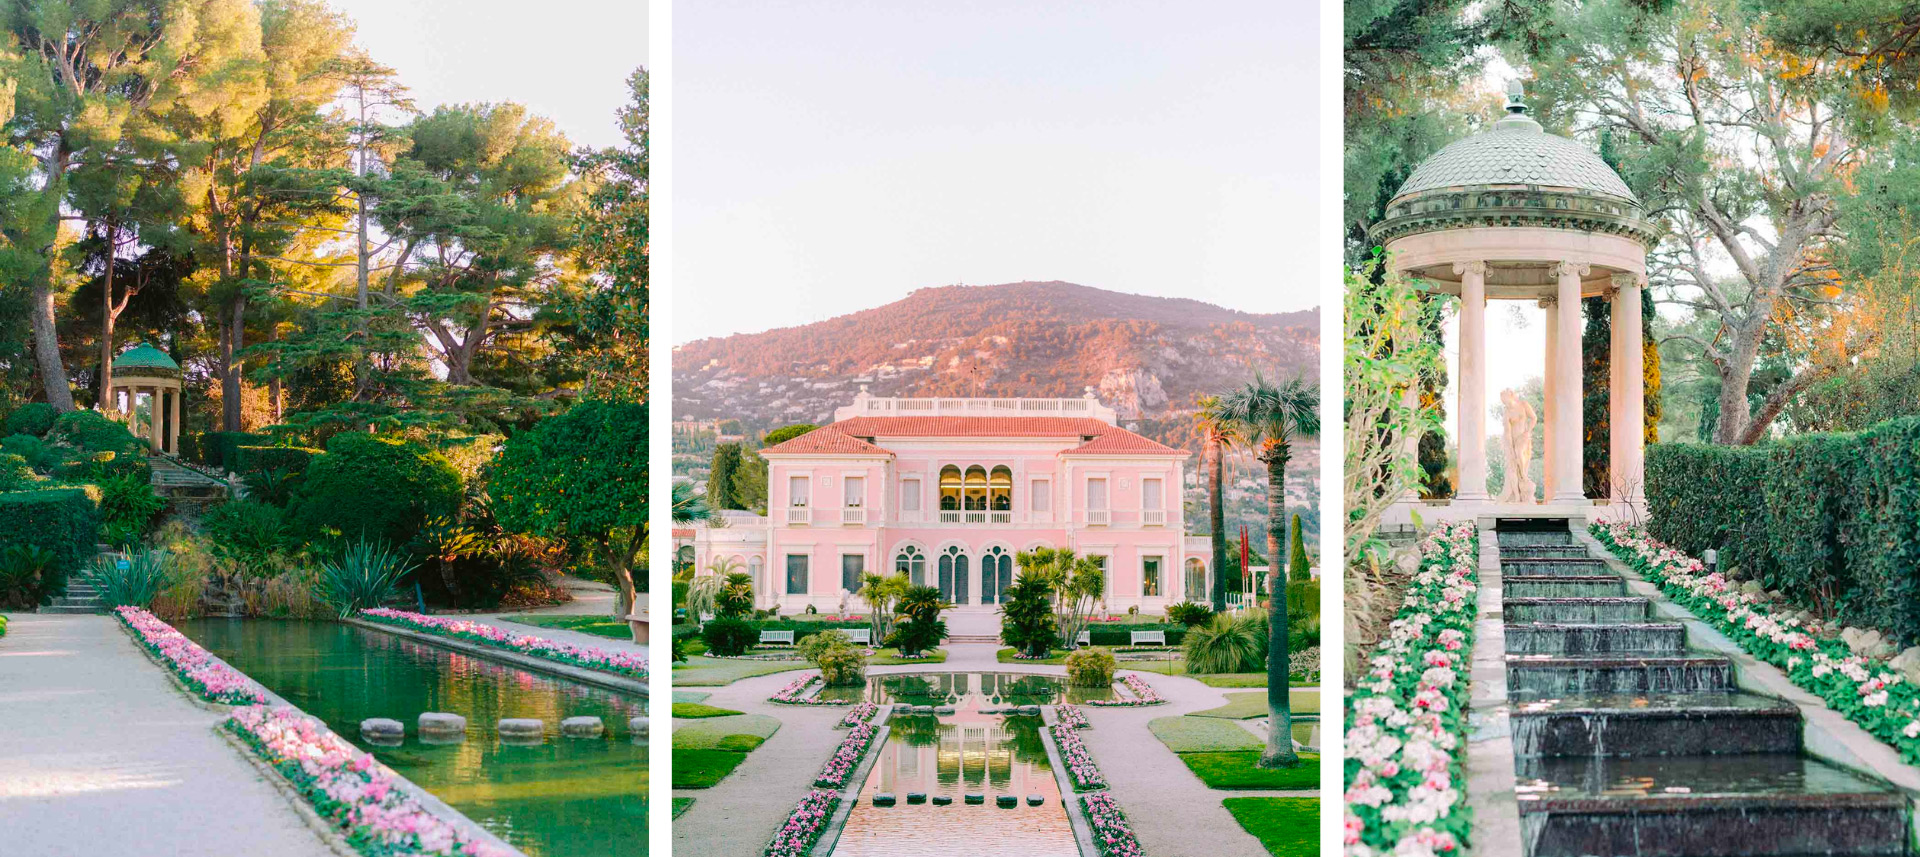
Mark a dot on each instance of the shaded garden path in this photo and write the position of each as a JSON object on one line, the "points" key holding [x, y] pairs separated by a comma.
{"points": [[101, 754]]}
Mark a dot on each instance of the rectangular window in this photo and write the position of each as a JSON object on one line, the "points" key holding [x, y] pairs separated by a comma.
{"points": [[852, 567], [1106, 575], [910, 495], [1042, 495], [1152, 495], [799, 491], [854, 491], [1097, 494], [1150, 576], [797, 574]]}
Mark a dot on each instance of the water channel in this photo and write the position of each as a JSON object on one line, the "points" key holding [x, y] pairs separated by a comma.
{"points": [[567, 797]]}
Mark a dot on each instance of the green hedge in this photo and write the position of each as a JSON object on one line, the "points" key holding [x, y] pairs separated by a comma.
{"points": [[62, 520], [1831, 520], [377, 487], [222, 448], [34, 418], [292, 459]]}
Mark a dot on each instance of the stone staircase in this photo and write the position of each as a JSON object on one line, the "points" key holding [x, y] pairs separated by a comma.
{"points": [[1627, 742], [179, 483], [81, 598]]}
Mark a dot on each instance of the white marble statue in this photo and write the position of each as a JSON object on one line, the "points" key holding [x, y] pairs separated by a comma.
{"points": [[1518, 445]]}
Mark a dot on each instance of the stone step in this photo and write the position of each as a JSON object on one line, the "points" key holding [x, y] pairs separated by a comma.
{"points": [[1614, 638], [1533, 538], [62, 610], [1631, 608], [77, 601], [1563, 586], [1687, 724], [1545, 676], [1567, 551], [1552, 566], [1768, 805]]}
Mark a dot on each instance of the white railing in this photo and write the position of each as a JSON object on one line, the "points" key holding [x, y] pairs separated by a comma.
{"points": [[976, 516], [853, 517], [799, 515], [1085, 406], [949, 517], [1097, 517], [1153, 517], [1001, 517]]}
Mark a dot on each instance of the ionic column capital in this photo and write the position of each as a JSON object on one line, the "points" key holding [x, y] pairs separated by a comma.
{"points": [[1477, 268], [1577, 269]]}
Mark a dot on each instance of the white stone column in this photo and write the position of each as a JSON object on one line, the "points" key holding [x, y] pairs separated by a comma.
{"points": [[1549, 404], [153, 417], [1410, 398], [1628, 422], [173, 429], [1472, 405], [1566, 390]]}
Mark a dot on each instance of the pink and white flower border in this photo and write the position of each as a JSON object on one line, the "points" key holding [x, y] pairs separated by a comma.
{"points": [[846, 757], [1112, 835], [1407, 717], [349, 788], [795, 693], [1072, 716], [1143, 694], [803, 826], [196, 667], [860, 714], [1081, 768], [590, 657]]}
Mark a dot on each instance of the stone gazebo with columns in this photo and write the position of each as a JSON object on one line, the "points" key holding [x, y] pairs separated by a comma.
{"points": [[1515, 213], [146, 369]]}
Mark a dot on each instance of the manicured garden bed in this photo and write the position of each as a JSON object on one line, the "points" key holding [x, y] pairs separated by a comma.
{"points": [[708, 749], [1112, 833], [697, 710], [196, 667], [1285, 826], [619, 663]]}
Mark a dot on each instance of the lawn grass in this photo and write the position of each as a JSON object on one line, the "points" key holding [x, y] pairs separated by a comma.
{"points": [[1005, 656], [681, 804], [1202, 735], [599, 626], [890, 656], [690, 696], [1246, 706], [697, 710], [700, 671], [703, 769], [1235, 770], [712, 732], [1285, 826]]}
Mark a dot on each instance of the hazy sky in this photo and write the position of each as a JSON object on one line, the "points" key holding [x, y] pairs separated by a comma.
{"points": [[567, 60], [832, 156]]}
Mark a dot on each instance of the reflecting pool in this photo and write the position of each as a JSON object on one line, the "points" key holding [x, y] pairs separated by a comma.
{"points": [[567, 797], [992, 690]]}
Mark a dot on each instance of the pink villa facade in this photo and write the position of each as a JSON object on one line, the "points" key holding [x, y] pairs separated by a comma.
{"points": [[948, 491]]}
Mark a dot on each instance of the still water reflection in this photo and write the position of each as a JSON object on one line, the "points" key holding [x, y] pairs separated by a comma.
{"points": [[564, 798]]}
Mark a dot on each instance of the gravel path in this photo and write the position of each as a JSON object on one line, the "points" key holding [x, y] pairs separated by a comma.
{"points": [[100, 756]]}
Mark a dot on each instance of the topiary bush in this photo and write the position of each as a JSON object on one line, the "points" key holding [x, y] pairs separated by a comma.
{"points": [[1090, 667], [33, 418], [841, 665], [728, 636], [62, 521], [92, 431], [16, 474], [373, 487], [37, 453]]}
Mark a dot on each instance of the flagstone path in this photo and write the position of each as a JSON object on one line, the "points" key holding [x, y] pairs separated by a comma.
{"points": [[101, 755]]}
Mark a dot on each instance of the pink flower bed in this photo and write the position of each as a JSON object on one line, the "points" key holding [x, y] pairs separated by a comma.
{"points": [[1078, 759], [590, 657], [860, 714], [835, 773], [196, 667], [1072, 717], [803, 826], [348, 788], [1143, 694], [1111, 832], [795, 693]]}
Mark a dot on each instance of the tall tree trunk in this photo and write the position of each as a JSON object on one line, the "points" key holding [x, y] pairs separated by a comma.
{"points": [[1279, 751], [1217, 520], [230, 346], [46, 332], [104, 401], [623, 557]]}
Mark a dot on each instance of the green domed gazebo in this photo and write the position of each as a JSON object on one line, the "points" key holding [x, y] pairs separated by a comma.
{"points": [[146, 368], [1516, 213]]}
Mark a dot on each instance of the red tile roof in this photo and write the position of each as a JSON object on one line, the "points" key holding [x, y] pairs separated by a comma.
{"points": [[845, 436]]}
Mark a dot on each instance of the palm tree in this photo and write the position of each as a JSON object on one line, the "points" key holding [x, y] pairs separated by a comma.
{"points": [[688, 507], [1216, 432], [1270, 417]]}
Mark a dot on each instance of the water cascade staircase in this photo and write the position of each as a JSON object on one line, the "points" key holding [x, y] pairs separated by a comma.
{"points": [[1627, 742]]}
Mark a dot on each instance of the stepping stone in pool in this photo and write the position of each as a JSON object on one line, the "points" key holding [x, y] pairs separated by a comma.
{"points": [[883, 799], [1006, 801], [383, 730], [976, 799], [916, 797], [523, 730], [1030, 710], [944, 709], [582, 727], [943, 800], [638, 725], [437, 727], [1036, 800]]}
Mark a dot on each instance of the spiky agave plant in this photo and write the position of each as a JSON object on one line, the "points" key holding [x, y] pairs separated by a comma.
{"points": [[132, 582], [362, 577], [1228, 644]]}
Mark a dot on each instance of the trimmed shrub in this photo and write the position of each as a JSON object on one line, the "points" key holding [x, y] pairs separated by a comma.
{"points": [[1883, 529], [63, 521], [93, 431], [16, 474], [377, 488], [728, 636], [1808, 492], [222, 448], [36, 452], [293, 459], [33, 418], [841, 665], [1090, 668], [1701, 497]]}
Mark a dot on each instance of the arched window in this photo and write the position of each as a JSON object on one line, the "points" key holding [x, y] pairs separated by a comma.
{"points": [[976, 489], [953, 576], [1197, 581], [911, 562], [996, 574], [1000, 489], [949, 489]]}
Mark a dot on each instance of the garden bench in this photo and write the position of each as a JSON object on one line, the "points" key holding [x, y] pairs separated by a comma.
{"points": [[770, 638], [863, 636], [1085, 639], [1149, 638]]}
